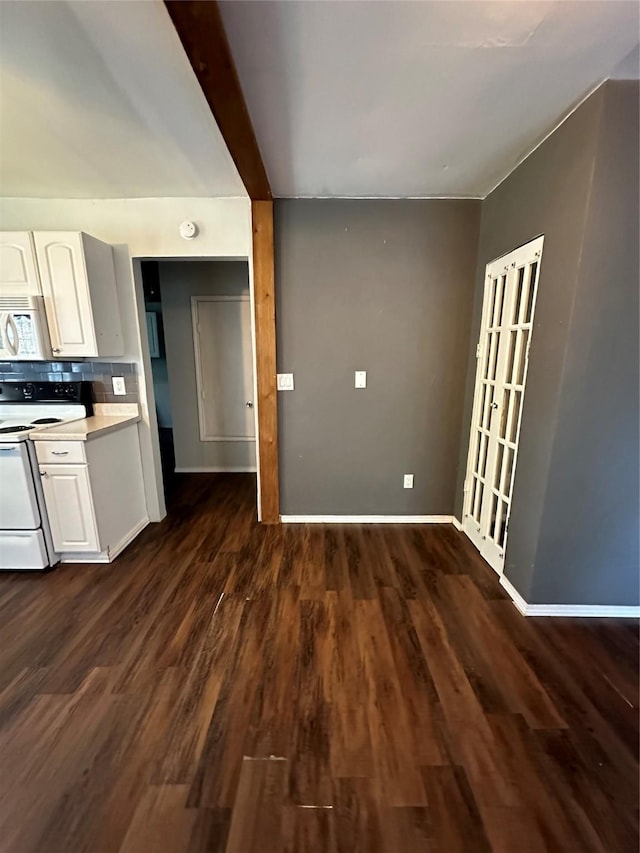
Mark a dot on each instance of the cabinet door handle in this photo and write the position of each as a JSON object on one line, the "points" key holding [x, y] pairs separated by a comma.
{"points": [[59, 452], [56, 349], [43, 473]]}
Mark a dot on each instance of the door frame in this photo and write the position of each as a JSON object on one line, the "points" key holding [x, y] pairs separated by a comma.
{"points": [[263, 336], [525, 254]]}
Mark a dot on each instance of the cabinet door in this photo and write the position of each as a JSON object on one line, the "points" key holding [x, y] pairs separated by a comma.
{"points": [[65, 288], [18, 271], [67, 496]]}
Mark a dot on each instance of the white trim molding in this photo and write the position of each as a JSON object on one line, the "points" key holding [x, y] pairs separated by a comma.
{"points": [[209, 469], [366, 519], [457, 524], [517, 599], [109, 555], [610, 611]]}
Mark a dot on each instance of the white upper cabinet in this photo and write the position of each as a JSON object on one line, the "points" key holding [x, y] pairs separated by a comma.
{"points": [[18, 270], [80, 297]]}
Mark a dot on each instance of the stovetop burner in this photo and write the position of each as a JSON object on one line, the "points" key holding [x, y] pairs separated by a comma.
{"points": [[47, 421], [19, 428]]}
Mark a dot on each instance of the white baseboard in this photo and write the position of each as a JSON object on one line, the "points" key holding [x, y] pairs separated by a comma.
{"points": [[85, 559], [110, 554], [585, 610], [366, 519], [517, 599], [247, 469], [602, 611], [457, 524]]}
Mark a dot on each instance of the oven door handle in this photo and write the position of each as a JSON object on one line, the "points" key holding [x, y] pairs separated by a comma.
{"points": [[15, 347]]}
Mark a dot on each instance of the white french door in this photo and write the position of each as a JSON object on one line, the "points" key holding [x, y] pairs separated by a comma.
{"points": [[510, 288]]}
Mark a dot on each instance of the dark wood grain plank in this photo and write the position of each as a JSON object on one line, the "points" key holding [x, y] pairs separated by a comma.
{"points": [[226, 686]]}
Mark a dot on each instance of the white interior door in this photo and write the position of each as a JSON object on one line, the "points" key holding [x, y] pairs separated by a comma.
{"points": [[503, 352], [224, 369]]}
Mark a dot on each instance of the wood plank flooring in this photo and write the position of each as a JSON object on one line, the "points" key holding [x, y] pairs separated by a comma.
{"points": [[230, 687]]}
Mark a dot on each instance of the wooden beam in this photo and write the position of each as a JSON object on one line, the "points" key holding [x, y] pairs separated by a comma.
{"points": [[200, 29], [265, 320]]}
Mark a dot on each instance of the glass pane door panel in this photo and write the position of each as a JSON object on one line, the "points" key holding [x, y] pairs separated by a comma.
{"points": [[503, 351]]}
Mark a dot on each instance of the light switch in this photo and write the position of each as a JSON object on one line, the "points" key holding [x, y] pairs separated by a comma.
{"points": [[285, 382], [361, 378], [408, 481], [119, 388]]}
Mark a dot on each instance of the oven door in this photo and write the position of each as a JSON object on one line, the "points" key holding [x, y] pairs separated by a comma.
{"points": [[18, 500]]}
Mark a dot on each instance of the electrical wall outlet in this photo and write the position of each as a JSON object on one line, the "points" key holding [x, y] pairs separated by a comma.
{"points": [[361, 378], [408, 481], [285, 382], [119, 388]]}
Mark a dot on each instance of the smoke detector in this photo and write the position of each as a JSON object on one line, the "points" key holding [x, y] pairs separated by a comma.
{"points": [[188, 230]]}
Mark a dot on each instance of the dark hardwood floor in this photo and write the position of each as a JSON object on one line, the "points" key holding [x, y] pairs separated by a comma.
{"points": [[230, 687]]}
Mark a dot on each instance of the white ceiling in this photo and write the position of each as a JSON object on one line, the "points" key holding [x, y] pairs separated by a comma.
{"points": [[98, 100], [415, 98]]}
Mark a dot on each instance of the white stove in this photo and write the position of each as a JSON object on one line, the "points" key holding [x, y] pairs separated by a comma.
{"points": [[25, 538], [17, 420]]}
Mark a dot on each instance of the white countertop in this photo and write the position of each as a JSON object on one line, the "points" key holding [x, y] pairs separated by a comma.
{"points": [[85, 429]]}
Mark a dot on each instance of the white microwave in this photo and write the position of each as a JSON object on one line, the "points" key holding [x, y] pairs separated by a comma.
{"points": [[23, 329]]}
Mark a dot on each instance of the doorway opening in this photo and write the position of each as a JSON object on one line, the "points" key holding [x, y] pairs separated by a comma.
{"points": [[199, 331], [510, 289]]}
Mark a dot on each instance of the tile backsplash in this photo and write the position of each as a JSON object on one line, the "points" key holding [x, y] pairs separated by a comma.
{"points": [[99, 373]]}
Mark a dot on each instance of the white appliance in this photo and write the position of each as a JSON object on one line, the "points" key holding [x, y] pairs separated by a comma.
{"points": [[24, 335], [25, 537]]}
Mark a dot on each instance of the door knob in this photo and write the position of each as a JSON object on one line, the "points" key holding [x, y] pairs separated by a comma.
{"points": [[249, 404]]}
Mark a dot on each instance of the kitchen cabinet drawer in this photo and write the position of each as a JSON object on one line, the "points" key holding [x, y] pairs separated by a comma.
{"points": [[63, 452]]}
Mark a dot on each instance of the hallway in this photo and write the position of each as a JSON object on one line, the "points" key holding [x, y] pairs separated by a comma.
{"points": [[230, 687]]}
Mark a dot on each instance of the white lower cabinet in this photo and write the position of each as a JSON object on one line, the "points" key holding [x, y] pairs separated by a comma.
{"points": [[93, 493], [69, 502]]}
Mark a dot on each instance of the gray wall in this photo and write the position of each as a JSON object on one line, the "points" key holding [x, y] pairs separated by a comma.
{"points": [[179, 281], [160, 373], [559, 191], [547, 194], [589, 536], [159, 368], [386, 287]]}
